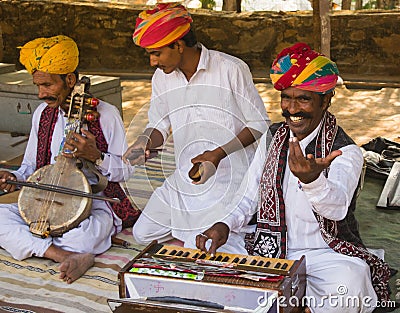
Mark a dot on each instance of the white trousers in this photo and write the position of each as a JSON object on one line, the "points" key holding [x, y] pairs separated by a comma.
{"points": [[336, 282], [155, 224], [92, 235]]}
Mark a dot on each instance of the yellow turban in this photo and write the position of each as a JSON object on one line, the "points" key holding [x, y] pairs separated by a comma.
{"points": [[54, 55]]}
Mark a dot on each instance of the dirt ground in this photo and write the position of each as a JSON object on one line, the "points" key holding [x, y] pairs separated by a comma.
{"points": [[363, 114]]}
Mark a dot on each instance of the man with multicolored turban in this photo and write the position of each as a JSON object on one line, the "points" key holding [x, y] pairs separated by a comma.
{"points": [[209, 100], [302, 192], [52, 63]]}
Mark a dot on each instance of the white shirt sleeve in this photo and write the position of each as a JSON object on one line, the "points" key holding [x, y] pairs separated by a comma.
{"points": [[28, 164], [248, 99], [114, 132], [330, 197], [244, 204], [159, 111]]}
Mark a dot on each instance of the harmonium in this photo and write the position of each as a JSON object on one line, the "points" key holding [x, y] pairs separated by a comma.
{"points": [[166, 278]]}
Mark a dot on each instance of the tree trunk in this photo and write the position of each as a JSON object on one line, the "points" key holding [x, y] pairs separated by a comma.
{"points": [[380, 4], [346, 4], [325, 28], [229, 5], [316, 25], [358, 5], [238, 6], [322, 27]]}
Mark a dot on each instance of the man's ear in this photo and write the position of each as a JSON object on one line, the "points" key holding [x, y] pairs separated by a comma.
{"points": [[71, 80], [180, 44], [326, 101]]}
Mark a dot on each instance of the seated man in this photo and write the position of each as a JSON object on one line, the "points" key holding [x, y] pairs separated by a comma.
{"points": [[209, 100], [53, 62], [301, 185]]}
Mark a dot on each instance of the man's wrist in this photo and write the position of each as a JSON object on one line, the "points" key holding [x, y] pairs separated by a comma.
{"points": [[220, 152], [146, 139]]}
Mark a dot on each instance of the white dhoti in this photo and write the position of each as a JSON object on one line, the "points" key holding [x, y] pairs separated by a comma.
{"points": [[92, 235], [336, 282], [181, 210]]}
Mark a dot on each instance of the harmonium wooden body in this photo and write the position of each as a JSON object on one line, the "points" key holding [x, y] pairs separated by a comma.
{"points": [[166, 278]]}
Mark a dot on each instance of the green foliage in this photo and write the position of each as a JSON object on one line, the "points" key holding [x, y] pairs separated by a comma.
{"points": [[369, 5], [208, 4]]}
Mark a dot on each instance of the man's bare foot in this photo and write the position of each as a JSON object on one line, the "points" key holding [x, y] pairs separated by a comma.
{"points": [[72, 264], [75, 265]]}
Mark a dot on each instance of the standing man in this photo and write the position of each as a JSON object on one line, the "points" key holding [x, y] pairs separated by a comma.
{"points": [[209, 101], [302, 186], [52, 63]]}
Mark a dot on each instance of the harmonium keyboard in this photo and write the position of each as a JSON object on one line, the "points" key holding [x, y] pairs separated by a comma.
{"points": [[166, 278]]}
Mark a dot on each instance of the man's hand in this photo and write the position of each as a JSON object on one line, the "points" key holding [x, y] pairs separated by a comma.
{"points": [[82, 146], [136, 154], [5, 175], [218, 234], [307, 169], [207, 164]]}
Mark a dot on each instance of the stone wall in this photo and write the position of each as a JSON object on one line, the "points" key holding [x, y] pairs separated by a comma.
{"points": [[363, 42]]}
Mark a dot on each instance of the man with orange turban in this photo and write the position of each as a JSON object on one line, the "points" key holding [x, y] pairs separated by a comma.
{"points": [[161, 26], [209, 100], [52, 63], [301, 189]]}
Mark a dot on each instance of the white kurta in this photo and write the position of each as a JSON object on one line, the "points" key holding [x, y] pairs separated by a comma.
{"points": [[93, 235], [327, 270], [208, 111]]}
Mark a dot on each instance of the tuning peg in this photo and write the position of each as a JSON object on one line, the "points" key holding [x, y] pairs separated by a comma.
{"points": [[92, 102], [91, 116]]}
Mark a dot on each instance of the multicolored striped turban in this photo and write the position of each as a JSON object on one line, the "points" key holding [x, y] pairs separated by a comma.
{"points": [[54, 55], [301, 67], [161, 26]]}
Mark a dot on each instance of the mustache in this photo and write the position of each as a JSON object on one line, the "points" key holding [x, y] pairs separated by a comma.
{"points": [[286, 113], [48, 98]]}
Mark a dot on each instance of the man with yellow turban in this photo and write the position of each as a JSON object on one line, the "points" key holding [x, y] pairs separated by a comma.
{"points": [[301, 190], [55, 55], [209, 100], [52, 63]]}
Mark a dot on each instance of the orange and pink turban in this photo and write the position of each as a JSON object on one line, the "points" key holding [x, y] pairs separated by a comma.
{"points": [[54, 55], [301, 67], [161, 26]]}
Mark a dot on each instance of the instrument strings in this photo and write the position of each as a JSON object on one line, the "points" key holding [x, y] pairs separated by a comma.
{"points": [[49, 201]]}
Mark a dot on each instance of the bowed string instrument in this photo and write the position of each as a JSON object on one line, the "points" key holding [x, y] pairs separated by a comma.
{"points": [[57, 197]]}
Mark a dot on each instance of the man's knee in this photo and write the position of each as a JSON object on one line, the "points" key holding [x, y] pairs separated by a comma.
{"points": [[140, 234], [354, 279], [353, 272]]}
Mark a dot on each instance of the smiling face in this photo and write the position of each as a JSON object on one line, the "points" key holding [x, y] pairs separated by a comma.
{"points": [[303, 110], [167, 59], [52, 89]]}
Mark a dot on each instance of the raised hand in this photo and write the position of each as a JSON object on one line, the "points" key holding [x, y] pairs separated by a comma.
{"points": [[307, 168]]}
